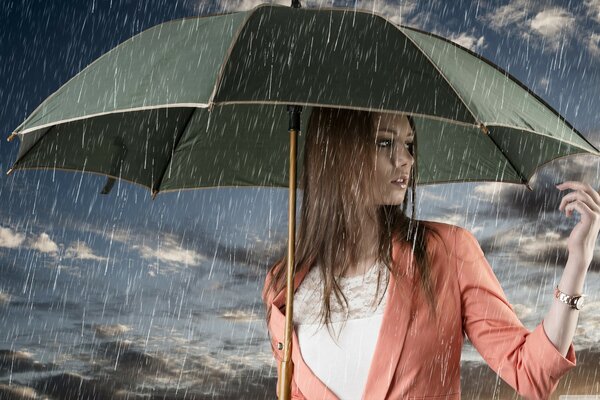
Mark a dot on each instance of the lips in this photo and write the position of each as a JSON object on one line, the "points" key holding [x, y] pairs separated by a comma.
{"points": [[401, 181]]}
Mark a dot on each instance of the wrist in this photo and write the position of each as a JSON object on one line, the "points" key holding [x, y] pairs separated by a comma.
{"points": [[574, 301]]}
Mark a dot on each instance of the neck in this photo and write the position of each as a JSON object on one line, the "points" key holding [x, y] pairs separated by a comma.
{"points": [[368, 246]]}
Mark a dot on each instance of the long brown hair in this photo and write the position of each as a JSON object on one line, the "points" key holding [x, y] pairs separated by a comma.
{"points": [[338, 164]]}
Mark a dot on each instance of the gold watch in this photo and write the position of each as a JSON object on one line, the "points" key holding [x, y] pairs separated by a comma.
{"points": [[575, 302]]}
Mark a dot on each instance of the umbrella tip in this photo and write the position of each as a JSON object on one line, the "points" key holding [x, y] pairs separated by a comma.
{"points": [[484, 129], [10, 170], [528, 186], [154, 193], [11, 137]]}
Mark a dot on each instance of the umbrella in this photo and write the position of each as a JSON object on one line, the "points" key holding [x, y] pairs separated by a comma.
{"points": [[202, 102]]}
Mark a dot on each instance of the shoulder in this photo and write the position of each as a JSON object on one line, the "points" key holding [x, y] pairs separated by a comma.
{"points": [[455, 240]]}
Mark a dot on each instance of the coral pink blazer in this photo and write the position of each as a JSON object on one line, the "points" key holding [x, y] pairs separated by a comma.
{"points": [[417, 358]]}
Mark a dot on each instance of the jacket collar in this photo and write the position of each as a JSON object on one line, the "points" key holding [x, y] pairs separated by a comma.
{"points": [[390, 341]]}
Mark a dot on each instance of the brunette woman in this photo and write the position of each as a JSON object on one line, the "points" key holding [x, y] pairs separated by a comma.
{"points": [[382, 300]]}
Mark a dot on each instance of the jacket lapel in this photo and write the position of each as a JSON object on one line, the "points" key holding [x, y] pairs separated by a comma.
{"points": [[390, 341], [307, 382], [394, 326]]}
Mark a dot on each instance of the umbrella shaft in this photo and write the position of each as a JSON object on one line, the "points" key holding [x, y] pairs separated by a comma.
{"points": [[286, 368]]}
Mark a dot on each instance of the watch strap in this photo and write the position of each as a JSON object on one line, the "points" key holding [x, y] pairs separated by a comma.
{"points": [[575, 302]]}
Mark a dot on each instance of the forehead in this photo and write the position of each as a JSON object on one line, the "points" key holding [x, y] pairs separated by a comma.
{"points": [[394, 123]]}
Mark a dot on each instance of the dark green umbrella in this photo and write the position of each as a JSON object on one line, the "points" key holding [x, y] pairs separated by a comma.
{"points": [[201, 102]]}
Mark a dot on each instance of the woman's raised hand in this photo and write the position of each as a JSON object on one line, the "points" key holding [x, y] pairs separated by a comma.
{"points": [[585, 200]]}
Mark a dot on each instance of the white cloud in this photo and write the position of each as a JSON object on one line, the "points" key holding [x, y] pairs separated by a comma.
{"points": [[44, 244], [471, 42], [489, 191], [515, 12], [243, 5], [594, 44], [452, 219], [81, 251], [547, 27], [170, 252], [553, 23], [10, 238], [394, 12], [544, 83]]}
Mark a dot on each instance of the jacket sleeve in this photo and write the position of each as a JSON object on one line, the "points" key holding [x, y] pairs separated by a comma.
{"points": [[527, 361]]}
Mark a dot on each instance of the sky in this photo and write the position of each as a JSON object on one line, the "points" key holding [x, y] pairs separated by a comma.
{"points": [[56, 224]]}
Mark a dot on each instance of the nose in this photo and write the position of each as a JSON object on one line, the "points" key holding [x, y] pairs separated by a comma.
{"points": [[401, 157]]}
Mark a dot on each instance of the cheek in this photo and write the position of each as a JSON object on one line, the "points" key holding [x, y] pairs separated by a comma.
{"points": [[382, 167]]}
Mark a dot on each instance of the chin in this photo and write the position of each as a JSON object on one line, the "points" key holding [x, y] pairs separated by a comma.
{"points": [[393, 201]]}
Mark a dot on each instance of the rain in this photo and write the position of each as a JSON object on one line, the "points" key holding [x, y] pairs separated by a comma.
{"points": [[132, 281]]}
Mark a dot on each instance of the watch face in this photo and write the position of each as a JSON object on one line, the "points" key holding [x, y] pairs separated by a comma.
{"points": [[579, 303]]}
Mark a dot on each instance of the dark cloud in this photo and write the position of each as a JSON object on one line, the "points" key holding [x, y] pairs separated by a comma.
{"points": [[530, 244], [12, 362], [74, 386], [478, 381], [17, 392]]}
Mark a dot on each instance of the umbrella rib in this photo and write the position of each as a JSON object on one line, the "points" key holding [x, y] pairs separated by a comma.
{"points": [[133, 109], [228, 54], [443, 76], [484, 128], [524, 179], [158, 182], [499, 69], [85, 172], [548, 136]]}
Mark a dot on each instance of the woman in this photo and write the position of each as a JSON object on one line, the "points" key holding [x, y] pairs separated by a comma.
{"points": [[382, 301]]}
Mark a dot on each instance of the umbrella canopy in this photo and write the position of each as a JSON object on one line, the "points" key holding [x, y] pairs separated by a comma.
{"points": [[200, 102]]}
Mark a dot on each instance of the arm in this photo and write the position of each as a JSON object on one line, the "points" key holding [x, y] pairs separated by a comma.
{"points": [[527, 361], [561, 320]]}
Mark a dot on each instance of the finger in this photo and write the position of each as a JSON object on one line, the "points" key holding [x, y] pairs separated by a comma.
{"points": [[579, 195], [585, 212], [575, 185]]}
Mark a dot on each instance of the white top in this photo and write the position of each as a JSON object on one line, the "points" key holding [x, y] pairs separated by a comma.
{"points": [[341, 362]]}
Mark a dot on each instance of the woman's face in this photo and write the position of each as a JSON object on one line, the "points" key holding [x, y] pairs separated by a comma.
{"points": [[393, 158]]}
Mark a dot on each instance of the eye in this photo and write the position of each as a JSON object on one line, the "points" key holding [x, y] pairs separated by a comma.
{"points": [[384, 143], [411, 148]]}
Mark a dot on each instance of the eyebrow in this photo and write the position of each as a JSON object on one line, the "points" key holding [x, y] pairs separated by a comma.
{"points": [[410, 136]]}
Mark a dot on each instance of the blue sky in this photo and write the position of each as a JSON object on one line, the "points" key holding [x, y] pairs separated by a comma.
{"points": [[57, 226]]}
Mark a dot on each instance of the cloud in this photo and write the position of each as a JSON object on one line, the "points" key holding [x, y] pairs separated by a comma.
{"points": [[471, 42], [81, 251], [489, 191], [167, 250], [513, 13], [10, 238], [394, 11], [244, 5], [544, 83], [547, 27], [593, 9], [593, 45], [552, 25], [44, 244]]}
